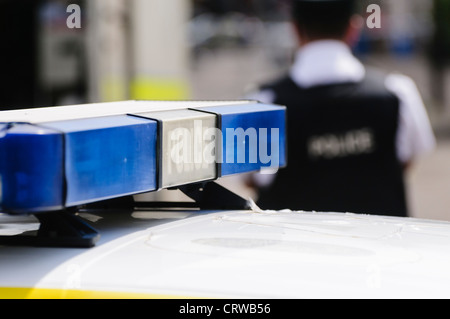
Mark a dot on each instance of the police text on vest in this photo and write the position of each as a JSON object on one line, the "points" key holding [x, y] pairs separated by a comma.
{"points": [[332, 146]]}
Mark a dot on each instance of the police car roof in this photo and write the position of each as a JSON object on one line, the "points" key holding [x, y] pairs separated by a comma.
{"points": [[239, 254]]}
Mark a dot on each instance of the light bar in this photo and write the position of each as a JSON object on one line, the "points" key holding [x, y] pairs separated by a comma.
{"points": [[61, 157]]}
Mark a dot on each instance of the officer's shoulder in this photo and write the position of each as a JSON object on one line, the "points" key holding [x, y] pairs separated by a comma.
{"points": [[388, 79], [399, 82], [379, 82]]}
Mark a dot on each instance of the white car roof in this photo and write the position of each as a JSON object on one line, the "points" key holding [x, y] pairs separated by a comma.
{"points": [[238, 254]]}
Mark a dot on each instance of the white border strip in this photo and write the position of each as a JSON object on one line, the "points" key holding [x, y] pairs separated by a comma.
{"points": [[82, 111]]}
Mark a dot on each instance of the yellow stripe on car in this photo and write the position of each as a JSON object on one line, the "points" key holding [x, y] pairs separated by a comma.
{"points": [[44, 293]]}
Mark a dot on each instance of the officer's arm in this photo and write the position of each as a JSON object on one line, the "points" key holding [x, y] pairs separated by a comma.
{"points": [[415, 136]]}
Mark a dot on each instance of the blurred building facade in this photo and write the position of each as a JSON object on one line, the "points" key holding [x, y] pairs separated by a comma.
{"points": [[178, 49], [122, 49]]}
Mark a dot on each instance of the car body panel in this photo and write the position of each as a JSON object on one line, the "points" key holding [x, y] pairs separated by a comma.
{"points": [[237, 254]]}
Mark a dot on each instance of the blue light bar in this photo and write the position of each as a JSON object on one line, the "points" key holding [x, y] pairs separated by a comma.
{"points": [[253, 137], [51, 164], [109, 156]]}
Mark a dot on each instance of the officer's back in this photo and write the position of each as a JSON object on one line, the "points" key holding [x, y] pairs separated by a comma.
{"points": [[343, 123]]}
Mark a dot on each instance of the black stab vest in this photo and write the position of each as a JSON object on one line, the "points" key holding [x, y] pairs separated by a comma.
{"points": [[341, 149]]}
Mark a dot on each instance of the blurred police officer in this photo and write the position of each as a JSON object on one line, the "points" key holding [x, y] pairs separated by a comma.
{"points": [[352, 131]]}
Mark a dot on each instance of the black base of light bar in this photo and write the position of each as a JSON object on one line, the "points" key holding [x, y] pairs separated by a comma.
{"points": [[206, 195], [57, 229], [212, 196], [66, 229]]}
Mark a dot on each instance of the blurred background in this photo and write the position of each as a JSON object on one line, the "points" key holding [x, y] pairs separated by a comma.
{"points": [[213, 50]]}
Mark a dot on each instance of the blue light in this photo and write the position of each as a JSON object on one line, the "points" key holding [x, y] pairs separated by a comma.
{"points": [[31, 168], [108, 157], [253, 137]]}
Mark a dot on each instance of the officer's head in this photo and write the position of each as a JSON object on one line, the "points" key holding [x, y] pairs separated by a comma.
{"points": [[323, 19]]}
